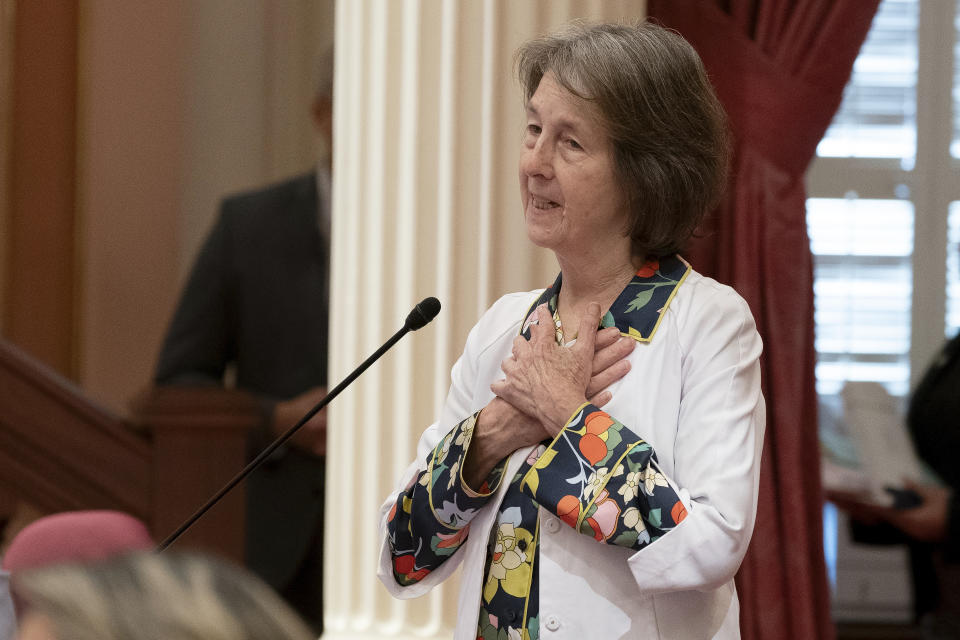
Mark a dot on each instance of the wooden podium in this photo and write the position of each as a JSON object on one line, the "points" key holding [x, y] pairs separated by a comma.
{"points": [[60, 451]]}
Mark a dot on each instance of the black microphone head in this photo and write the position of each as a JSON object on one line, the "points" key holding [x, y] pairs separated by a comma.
{"points": [[423, 313]]}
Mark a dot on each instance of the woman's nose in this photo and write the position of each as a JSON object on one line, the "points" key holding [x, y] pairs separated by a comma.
{"points": [[537, 160]]}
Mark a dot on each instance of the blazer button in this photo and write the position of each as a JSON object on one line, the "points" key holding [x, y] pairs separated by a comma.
{"points": [[552, 525], [553, 623]]}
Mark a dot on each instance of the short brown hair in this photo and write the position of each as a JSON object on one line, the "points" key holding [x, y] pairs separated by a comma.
{"points": [[669, 132]]}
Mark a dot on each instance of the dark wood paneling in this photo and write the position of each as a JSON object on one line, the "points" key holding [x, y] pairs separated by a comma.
{"points": [[59, 451], [200, 442], [39, 313]]}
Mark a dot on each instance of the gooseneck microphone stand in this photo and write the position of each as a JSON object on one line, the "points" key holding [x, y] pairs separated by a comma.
{"points": [[417, 318]]}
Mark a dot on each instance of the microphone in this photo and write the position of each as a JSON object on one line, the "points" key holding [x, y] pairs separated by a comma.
{"points": [[421, 314]]}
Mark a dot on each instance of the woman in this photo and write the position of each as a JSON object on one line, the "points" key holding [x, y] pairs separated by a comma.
{"points": [[151, 596], [628, 521]]}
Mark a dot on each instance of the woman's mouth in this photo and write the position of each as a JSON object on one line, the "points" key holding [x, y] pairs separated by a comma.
{"points": [[541, 203]]}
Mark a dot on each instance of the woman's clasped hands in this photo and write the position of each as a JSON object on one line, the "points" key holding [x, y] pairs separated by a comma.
{"points": [[547, 381], [544, 383]]}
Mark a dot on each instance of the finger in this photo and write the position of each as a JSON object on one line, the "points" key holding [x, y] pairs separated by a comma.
{"points": [[544, 326], [608, 376], [587, 333], [601, 398], [606, 337], [612, 354], [521, 344], [521, 348]]}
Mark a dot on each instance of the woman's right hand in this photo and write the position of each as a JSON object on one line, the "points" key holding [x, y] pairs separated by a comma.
{"points": [[501, 429]]}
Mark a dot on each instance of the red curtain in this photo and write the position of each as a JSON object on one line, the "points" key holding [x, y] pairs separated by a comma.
{"points": [[779, 67]]}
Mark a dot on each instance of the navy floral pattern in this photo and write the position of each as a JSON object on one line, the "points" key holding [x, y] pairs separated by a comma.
{"points": [[431, 517], [597, 475]]}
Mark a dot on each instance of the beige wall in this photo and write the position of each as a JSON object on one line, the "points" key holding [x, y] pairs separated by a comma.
{"points": [[180, 102]]}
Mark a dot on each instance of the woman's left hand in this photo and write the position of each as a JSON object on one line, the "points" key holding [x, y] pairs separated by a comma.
{"points": [[547, 381]]}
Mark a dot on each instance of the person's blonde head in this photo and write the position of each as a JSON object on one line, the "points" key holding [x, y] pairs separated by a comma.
{"points": [[666, 126], [150, 596]]}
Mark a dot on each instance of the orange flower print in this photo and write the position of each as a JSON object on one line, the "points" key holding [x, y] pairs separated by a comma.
{"points": [[569, 510], [678, 512], [593, 448], [448, 541], [405, 566], [598, 422], [649, 269]]}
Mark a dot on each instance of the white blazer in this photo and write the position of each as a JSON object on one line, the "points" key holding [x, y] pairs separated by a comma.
{"points": [[693, 392]]}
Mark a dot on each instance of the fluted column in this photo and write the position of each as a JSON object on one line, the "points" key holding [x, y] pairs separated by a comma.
{"points": [[428, 119]]}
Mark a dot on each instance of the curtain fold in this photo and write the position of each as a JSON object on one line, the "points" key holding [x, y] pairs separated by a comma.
{"points": [[779, 67]]}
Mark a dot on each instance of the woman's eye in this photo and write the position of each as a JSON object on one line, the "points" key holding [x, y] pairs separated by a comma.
{"points": [[573, 144], [533, 129]]}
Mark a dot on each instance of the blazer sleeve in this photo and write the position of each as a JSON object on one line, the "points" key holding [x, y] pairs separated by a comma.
{"points": [[200, 341], [459, 404], [717, 449]]}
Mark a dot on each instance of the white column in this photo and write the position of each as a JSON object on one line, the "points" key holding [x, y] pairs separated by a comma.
{"points": [[427, 127]]}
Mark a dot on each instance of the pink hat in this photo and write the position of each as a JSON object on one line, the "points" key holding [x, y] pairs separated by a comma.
{"points": [[75, 536]]}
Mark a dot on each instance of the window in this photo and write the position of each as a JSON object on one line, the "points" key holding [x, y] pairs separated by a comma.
{"points": [[884, 221], [878, 116], [862, 288], [884, 207]]}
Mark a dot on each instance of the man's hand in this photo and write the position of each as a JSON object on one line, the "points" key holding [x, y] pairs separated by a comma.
{"points": [[926, 522], [311, 437]]}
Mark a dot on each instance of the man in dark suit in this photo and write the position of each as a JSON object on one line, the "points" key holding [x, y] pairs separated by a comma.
{"points": [[256, 303]]}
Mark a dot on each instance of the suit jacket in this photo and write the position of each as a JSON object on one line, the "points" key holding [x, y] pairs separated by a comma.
{"points": [[257, 300], [934, 423]]}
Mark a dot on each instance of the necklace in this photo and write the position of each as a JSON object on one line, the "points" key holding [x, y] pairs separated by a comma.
{"points": [[559, 328]]}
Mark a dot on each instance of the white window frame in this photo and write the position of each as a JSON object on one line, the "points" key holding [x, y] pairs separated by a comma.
{"points": [[933, 182]]}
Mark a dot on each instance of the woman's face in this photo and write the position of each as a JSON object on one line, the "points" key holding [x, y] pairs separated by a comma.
{"points": [[571, 201]]}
